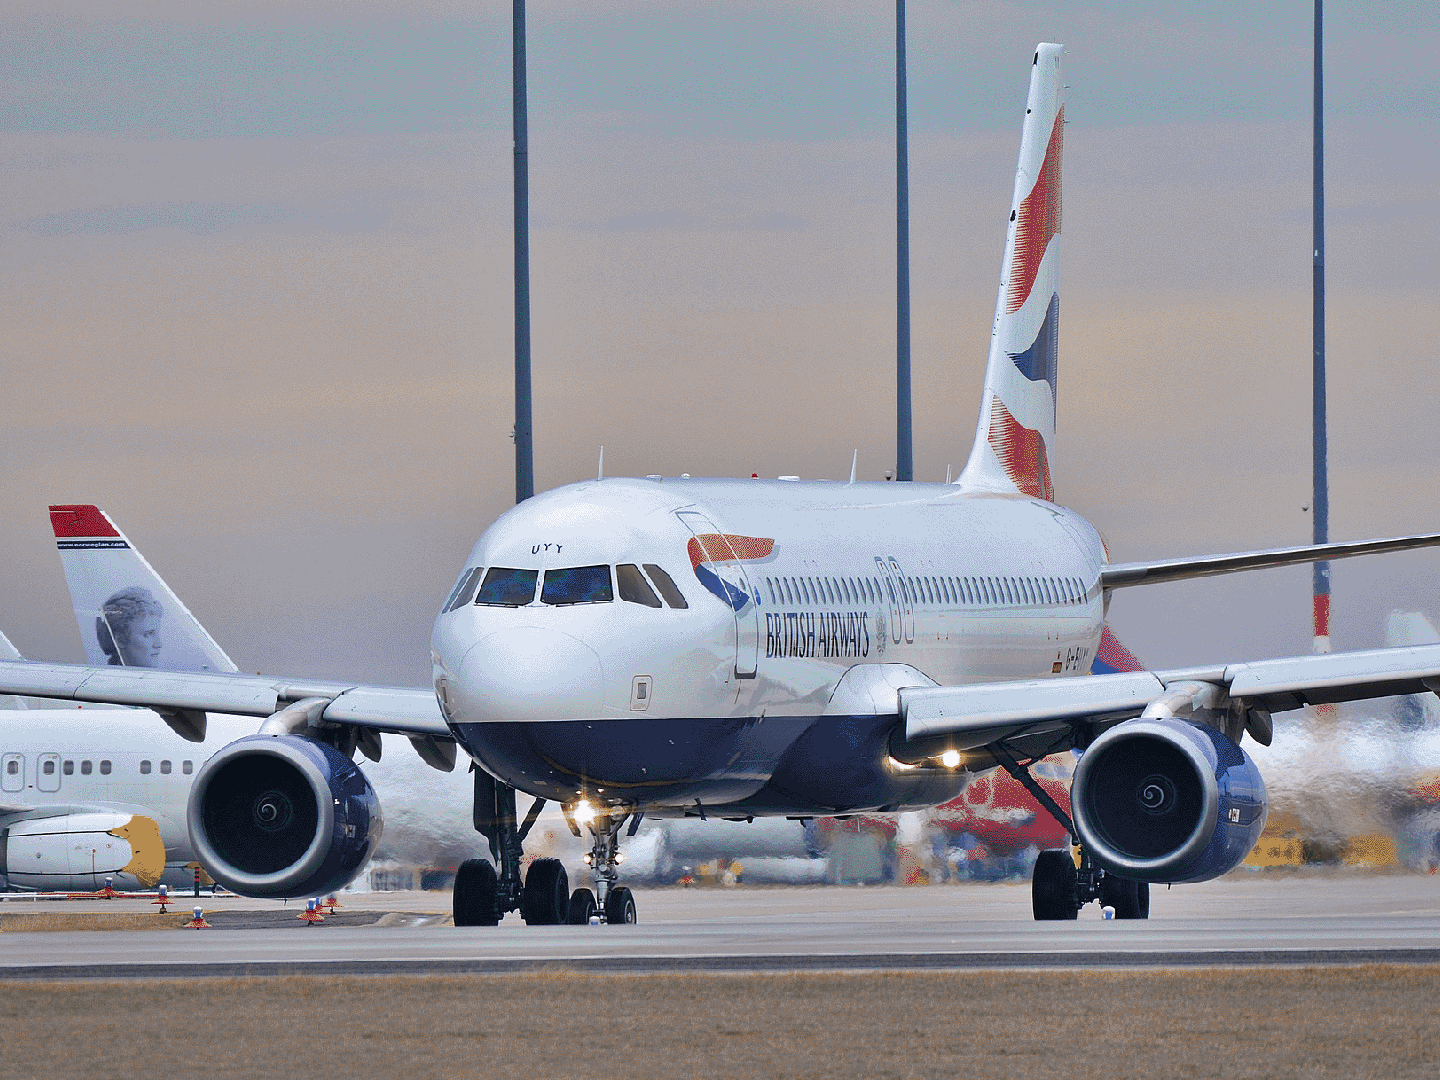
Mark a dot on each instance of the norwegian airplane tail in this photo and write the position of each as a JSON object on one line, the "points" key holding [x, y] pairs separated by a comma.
{"points": [[127, 614], [1016, 433]]}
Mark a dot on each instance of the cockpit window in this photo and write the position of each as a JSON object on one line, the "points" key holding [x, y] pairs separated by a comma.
{"points": [[634, 587], [666, 585], [505, 587], [577, 585], [464, 589]]}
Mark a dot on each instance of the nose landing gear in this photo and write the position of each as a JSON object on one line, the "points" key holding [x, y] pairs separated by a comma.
{"points": [[612, 903]]}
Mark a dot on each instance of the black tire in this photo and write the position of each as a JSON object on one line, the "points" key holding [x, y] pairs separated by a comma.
{"points": [[1129, 898], [473, 901], [620, 905], [546, 898], [1053, 887], [582, 906]]}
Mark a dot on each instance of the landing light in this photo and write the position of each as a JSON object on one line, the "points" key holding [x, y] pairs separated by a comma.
{"points": [[584, 812], [950, 759]]}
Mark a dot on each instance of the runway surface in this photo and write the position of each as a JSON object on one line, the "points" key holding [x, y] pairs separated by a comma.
{"points": [[1243, 919]]}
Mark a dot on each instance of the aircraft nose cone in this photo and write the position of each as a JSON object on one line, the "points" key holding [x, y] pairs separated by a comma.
{"points": [[529, 673]]}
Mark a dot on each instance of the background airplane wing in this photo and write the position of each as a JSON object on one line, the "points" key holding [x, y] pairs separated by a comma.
{"points": [[402, 710], [1120, 575], [1040, 716]]}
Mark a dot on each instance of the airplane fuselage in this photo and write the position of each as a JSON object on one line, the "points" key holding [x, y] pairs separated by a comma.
{"points": [[566, 667]]}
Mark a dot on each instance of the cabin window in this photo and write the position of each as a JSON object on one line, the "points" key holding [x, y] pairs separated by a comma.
{"points": [[464, 589], [12, 767], [577, 585], [832, 591], [662, 581], [187, 767], [69, 768], [86, 768], [49, 768], [144, 768], [633, 587], [165, 767], [104, 768], [945, 586], [1029, 591], [770, 584], [506, 587]]}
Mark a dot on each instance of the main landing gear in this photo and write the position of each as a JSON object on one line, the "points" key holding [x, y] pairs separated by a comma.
{"points": [[488, 889], [1060, 888], [483, 895]]}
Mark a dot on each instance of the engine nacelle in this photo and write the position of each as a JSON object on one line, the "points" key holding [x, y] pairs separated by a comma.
{"points": [[1167, 801], [283, 816], [79, 851]]}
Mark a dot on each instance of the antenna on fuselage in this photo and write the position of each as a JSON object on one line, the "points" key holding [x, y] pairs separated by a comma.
{"points": [[600, 472], [854, 465]]}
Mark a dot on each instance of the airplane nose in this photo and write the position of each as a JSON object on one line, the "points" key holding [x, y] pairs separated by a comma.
{"points": [[528, 673]]}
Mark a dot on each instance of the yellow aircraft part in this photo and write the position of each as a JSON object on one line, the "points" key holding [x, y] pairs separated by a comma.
{"points": [[1377, 850], [147, 850], [1276, 851]]}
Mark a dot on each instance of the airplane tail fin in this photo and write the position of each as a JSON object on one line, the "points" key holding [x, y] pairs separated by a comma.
{"points": [[127, 614], [1112, 656], [9, 652], [1016, 433]]}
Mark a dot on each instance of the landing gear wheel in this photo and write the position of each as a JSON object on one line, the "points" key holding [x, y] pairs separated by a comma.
{"points": [[473, 901], [546, 899], [620, 905], [582, 906], [1129, 898], [1053, 887]]}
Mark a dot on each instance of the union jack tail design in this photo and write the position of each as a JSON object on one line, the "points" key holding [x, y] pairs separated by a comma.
{"points": [[1016, 433]]}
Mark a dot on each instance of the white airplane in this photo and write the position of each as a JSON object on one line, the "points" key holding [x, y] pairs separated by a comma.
{"points": [[96, 794], [746, 648]]}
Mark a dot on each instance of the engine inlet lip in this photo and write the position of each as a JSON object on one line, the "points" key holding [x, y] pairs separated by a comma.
{"points": [[1155, 869], [225, 872]]}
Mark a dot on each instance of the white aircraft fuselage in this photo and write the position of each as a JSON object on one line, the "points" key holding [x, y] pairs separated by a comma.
{"points": [[774, 690]]}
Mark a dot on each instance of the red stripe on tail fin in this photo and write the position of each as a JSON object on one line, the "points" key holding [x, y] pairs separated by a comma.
{"points": [[1037, 220], [80, 520], [1021, 452]]}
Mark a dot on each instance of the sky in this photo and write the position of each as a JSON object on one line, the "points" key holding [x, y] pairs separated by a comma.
{"points": [[255, 280]]}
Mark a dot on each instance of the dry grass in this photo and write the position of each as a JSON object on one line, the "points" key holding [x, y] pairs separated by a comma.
{"points": [[111, 920], [1378, 1021]]}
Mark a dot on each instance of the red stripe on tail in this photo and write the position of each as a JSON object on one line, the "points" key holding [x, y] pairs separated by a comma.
{"points": [[78, 520], [1037, 220], [1021, 452]]}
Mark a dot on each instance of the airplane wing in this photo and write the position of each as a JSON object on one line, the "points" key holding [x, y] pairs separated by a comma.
{"points": [[1120, 575], [1040, 716], [401, 710]]}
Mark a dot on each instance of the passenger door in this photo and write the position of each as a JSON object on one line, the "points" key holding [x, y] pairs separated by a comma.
{"points": [[726, 565], [12, 772], [47, 774]]}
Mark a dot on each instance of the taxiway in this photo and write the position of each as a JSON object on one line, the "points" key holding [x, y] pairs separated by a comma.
{"points": [[1242, 919]]}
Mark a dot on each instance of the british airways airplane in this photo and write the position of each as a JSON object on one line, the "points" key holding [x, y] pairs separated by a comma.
{"points": [[746, 648]]}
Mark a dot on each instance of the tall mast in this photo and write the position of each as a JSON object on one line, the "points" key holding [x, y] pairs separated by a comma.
{"points": [[904, 451], [524, 444], [1322, 491]]}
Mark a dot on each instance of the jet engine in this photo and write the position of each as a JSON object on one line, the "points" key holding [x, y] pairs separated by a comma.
{"points": [[1167, 800], [283, 816], [79, 851]]}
